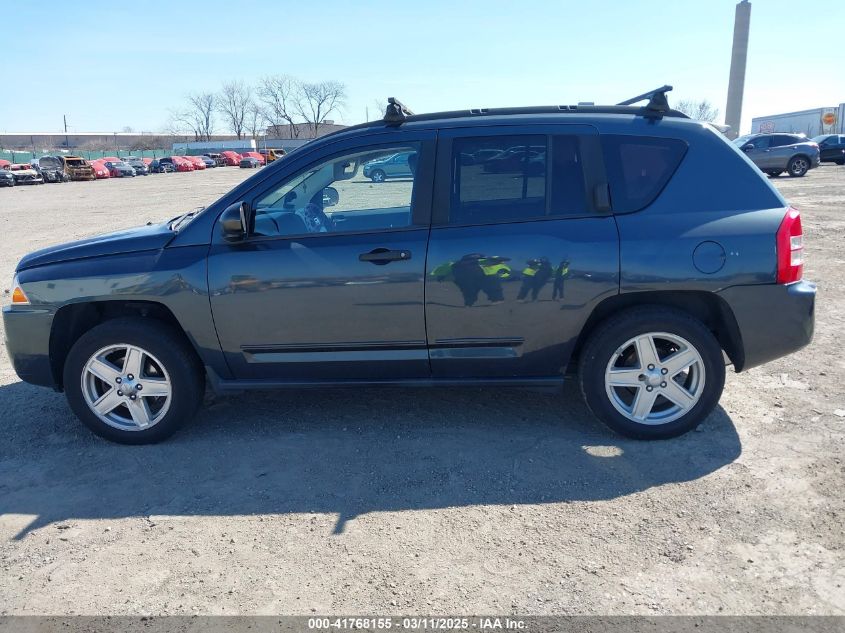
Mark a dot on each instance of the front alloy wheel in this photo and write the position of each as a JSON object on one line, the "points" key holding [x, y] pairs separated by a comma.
{"points": [[133, 380], [126, 387]]}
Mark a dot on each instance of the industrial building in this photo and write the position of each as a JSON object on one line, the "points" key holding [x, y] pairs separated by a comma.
{"points": [[828, 120]]}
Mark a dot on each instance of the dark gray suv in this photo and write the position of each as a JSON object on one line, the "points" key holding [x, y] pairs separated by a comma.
{"points": [[525, 244], [776, 153]]}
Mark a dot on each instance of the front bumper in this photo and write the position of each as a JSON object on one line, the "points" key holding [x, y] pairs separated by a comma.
{"points": [[28, 343], [773, 320]]}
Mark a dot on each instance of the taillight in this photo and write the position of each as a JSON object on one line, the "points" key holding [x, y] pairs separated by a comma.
{"points": [[790, 248]]}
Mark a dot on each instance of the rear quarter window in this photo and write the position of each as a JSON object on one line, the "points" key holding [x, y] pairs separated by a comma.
{"points": [[638, 168]]}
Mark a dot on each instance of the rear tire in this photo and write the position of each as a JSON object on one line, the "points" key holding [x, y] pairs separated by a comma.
{"points": [[798, 166], [378, 176], [99, 371], [612, 357], [839, 162]]}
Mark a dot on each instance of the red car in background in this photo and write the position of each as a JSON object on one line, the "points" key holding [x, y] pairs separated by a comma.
{"points": [[196, 161], [100, 169], [4, 164], [259, 157], [181, 163], [233, 159], [147, 161]]}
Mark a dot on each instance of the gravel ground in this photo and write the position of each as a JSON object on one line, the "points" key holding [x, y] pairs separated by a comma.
{"points": [[437, 501]]}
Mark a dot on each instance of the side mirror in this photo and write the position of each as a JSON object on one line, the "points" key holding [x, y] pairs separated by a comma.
{"points": [[235, 221], [330, 197], [747, 146]]}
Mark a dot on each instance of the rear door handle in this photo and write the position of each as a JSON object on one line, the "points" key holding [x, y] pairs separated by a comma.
{"points": [[383, 256]]}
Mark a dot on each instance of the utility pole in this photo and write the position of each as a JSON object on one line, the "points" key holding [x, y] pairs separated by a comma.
{"points": [[67, 143], [739, 57]]}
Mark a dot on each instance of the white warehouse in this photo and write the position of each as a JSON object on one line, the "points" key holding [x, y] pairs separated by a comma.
{"points": [[830, 120]]}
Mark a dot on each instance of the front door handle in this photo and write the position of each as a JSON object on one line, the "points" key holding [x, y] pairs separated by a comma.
{"points": [[383, 256]]}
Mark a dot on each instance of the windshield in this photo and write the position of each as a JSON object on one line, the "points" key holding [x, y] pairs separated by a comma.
{"points": [[742, 140], [819, 139], [49, 162]]}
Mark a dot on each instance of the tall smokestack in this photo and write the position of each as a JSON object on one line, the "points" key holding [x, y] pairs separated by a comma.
{"points": [[739, 55]]}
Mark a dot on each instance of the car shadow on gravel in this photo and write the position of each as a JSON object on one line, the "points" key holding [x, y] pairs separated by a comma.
{"points": [[347, 452]]}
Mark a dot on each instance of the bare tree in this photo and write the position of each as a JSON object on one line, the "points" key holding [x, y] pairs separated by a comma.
{"points": [[699, 110], [279, 96], [255, 120], [318, 100], [234, 103], [198, 116]]}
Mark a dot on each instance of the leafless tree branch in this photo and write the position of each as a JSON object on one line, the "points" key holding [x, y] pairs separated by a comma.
{"points": [[234, 103]]}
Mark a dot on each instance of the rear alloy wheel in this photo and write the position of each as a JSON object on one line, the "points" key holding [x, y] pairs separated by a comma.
{"points": [[652, 373], [377, 176], [133, 381], [798, 166]]}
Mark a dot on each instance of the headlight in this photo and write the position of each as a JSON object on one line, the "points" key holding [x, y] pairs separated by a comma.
{"points": [[19, 297]]}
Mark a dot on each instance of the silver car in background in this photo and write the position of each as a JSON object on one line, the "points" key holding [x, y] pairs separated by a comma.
{"points": [[776, 153]]}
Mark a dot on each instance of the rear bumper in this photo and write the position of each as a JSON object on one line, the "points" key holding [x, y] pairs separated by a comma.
{"points": [[28, 343], [773, 320]]}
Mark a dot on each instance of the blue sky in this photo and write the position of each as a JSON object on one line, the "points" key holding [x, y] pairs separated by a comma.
{"points": [[111, 65]]}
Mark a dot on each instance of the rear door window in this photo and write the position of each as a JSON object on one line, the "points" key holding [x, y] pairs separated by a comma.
{"points": [[498, 179], [638, 168]]}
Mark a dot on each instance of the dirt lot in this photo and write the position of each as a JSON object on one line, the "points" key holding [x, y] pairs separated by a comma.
{"points": [[440, 502]]}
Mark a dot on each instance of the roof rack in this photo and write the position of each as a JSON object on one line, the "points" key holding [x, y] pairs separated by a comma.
{"points": [[396, 112], [657, 105]]}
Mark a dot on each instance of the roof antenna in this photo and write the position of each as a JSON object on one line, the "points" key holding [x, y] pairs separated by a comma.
{"points": [[396, 112], [657, 105]]}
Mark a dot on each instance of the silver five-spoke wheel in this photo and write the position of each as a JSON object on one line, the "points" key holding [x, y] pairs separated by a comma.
{"points": [[126, 387], [655, 378]]}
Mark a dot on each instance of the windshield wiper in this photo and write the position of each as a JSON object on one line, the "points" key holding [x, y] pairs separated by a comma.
{"points": [[184, 219]]}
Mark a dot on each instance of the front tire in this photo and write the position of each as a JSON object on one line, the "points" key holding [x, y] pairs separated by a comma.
{"points": [[378, 176], [652, 373], [133, 380], [798, 166]]}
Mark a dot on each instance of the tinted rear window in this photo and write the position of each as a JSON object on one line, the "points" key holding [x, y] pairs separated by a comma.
{"points": [[638, 167]]}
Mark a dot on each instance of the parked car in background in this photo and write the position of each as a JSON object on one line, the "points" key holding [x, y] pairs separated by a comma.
{"points": [[159, 166], [100, 170], [5, 164], [181, 163], [831, 148], [7, 179], [138, 165], [196, 161], [26, 174], [77, 168], [209, 161], [271, 154], [51, 168], [776, 153], [218, 159], [650, 254], [119, 169], [395, 166], [250, 162], [256, 156], [232, 159]]}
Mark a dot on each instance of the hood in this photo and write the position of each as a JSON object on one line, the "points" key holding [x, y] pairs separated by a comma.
{"points": [[143, 238]]}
